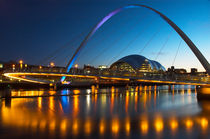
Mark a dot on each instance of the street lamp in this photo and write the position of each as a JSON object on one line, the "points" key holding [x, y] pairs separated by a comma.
{"points": [[52, 64], [21, 64], [21, 61], [76, 65], [13, 67]]}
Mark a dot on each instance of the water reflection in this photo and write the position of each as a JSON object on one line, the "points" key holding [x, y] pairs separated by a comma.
{"points": [[140, 111]]}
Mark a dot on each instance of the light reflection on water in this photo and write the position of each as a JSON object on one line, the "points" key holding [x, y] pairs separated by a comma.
{"points": [[108, 112]]}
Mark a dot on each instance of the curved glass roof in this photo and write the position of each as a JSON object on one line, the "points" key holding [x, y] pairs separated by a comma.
{"points": [[136, 61]]}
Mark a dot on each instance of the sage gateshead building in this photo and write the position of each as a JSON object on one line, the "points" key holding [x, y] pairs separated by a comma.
{"points": [[136, 63]]}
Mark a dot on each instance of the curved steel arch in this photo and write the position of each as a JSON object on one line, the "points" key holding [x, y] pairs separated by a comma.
{"points": [[192, 46]]}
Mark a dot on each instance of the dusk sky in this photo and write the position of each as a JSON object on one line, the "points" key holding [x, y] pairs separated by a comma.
{"points": [[41, 31]]}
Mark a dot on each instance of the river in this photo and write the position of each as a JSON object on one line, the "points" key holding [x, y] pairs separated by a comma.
{"points": [[114, 112]]}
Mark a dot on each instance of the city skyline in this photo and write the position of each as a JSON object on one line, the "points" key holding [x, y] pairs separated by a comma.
{"points": [[42, 27]]}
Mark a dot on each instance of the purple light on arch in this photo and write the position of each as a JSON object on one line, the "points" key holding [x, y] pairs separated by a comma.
{"points": [[192, 46], [74, 57]]}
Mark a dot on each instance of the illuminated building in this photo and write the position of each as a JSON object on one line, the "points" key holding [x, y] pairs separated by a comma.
{"points": [[137, 63], [102, 67]]}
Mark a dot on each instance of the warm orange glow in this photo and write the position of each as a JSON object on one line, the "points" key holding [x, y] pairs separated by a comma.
{"points": [[87, 126], [112, 102], [137, 88], [102, 126], [51, 103], [63, 127], [205, 90], [145, 88], [40, 67], [52, 92], [20, 61], [51, 84], [39, 102], [52, 64], [75, 126], [15, 76], [75, 105], [103, 100], [52, 125], [174, 125], [42, 124], [115, 126], [13, 66], [140, 88], [112, 89], [144, 127], [159, 124], [126, 101], [189, 90], [76, 65], [204, 123], [76, 91], [127, 126], [93, 89], [26, 93], [189, 124], [136, 100]]}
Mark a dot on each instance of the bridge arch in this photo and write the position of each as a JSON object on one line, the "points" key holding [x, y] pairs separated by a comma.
{"points": [[191, 45]]}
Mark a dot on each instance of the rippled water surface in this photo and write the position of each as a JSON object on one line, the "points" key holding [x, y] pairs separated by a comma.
{"points": [[135, 112]]}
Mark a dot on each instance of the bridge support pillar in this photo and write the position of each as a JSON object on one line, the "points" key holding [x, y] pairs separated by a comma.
{"points": [[203, 92]]}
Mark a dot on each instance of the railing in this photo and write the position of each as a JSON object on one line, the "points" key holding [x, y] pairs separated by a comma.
{"points": [[163, 76]]}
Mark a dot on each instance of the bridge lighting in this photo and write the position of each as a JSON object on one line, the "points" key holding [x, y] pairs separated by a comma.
{"points": [[65, 82]]}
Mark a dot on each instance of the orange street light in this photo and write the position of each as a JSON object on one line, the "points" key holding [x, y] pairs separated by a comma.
{"points": [[52, 64], [76, 65], [21, 61]]}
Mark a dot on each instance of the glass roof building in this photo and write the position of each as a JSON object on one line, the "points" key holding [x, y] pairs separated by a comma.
{"points": [[137, 63]]}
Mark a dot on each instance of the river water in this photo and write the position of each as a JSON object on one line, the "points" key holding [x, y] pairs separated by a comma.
{"points": [[133, 112]]}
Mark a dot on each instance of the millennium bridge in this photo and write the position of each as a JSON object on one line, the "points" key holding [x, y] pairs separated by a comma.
{"points": [[79, 78], [108, 78]]}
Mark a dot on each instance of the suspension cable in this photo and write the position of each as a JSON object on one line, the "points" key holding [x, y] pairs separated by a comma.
{"points": [[177, 52], [130, 42], [163, 46], [150, 40], [116, 41], [69, 43]]}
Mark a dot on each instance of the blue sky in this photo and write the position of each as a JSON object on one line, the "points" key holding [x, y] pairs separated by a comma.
{"points": [[40, 31]]}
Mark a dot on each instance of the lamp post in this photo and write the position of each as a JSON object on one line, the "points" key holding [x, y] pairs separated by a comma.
{"points": [[21, 64]]}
